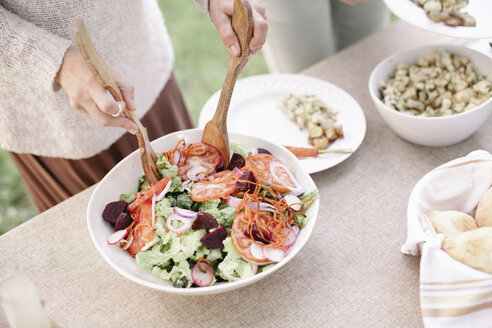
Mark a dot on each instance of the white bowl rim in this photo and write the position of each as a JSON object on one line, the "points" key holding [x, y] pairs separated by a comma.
{"points": [[424, 118], [223, 287]]}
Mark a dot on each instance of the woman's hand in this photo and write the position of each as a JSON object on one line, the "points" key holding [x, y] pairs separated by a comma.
{"points": [[87, 95], [221, 15], [353, 2]]}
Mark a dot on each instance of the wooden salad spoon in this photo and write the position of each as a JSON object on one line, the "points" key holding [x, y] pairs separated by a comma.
{"points": [[215, 132], [103, 75]]}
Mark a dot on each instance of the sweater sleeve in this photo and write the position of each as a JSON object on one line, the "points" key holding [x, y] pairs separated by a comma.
{"points": [[203, 5], [28, 52]]}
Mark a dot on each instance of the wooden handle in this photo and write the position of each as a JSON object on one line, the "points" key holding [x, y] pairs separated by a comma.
{"points": [[242, 23], [103, 75], [98, 67]]}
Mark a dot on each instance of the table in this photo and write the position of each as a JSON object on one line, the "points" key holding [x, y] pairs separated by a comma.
{"points": [[349, 274]]}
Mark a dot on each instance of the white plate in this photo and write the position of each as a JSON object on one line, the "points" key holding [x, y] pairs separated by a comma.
{"points": [[254, 111], [413, 14], [124, 177]]}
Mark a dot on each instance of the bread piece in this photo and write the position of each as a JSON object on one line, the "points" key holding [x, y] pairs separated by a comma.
{"points": [[483, 215], [473, 248], [451, 222]]}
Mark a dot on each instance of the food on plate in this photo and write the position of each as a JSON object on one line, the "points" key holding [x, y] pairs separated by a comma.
{"points": [[439, 84], [483, 214], [314, 152], [311, 113], [447, 11], [473, 248], [451, 222], [202, 223]]}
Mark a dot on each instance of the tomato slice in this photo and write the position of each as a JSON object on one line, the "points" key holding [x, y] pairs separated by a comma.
{"points": [[149, 192], [215, 186], [260, 165], [199, 154], [143, 231], [242, 242]]}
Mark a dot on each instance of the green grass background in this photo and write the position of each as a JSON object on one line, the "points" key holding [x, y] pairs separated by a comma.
{"points": [[201, 64]]}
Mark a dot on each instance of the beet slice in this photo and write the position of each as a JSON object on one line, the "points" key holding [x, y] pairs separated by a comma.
{"points": [[123, 221], [204, 220], [246, 186], [263, 151], [213, 240], [236, 161], [113, 210], [256, 235]]}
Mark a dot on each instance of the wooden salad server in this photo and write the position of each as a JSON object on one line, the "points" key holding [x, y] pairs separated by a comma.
{"points": [[215, 132], [103, 75]]}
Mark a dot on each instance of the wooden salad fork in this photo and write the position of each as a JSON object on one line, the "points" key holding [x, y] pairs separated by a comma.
{"points": [[215, 132], [103, 75]]}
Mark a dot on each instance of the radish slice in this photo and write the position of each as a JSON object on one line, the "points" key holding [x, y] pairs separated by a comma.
{"points": [[296, 229], [196, 173], [274, 165], [291, 237], [257, 251], [153, 210], [223, 269], [176, 157], [202, 274], [128, 243], [186, 214], [273, 254], [293, 202], [117, 236], [186, 224], [164, 191]]}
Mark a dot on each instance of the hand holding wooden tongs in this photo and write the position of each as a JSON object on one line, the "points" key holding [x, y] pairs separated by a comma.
{"points": [[103, 75]]}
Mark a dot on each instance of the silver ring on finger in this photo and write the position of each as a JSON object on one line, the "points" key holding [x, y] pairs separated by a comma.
{"points": [[120, 110]]}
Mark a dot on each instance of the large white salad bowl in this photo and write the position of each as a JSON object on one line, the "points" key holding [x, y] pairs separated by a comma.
{"points": [[124, 177]]}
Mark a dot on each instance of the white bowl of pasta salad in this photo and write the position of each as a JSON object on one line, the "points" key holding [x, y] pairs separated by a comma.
{"points": [[203, 228]]}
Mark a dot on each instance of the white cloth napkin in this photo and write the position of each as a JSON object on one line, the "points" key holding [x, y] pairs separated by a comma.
{"points": [[451, 294]]}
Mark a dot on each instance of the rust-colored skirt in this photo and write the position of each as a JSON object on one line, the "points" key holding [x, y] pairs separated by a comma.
{"points": [[51, 180]]}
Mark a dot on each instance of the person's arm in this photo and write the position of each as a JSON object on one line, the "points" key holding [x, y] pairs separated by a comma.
{"points": [[34, 56]]}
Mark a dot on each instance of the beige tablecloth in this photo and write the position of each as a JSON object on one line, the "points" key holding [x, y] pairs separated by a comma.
{"points": [[349, 274]]}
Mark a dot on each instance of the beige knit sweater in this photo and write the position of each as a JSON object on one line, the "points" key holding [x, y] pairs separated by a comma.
{"points": [[35, 116]]}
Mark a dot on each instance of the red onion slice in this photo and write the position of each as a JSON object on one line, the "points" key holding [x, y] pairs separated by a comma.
{"points": [[274, 165], [237, 172], [128, 243], [293, 202], [185, 183], [164, 191], [234, 202], [186, 214], [202, 274], [176, 157], [273, 254], [196, 173], [173, 217], [296, 229], [116, 237], [254, 151], [257, 251]]}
